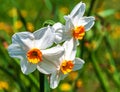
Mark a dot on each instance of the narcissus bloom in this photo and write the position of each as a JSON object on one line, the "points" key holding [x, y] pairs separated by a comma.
{"points": [[31, 49], [75, 25], [65, 64]]}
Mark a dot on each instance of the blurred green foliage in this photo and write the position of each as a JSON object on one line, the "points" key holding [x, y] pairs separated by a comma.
{"points": [[100, 47]]}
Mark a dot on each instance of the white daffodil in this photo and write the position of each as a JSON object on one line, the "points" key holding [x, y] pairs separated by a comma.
{"points": [[30, 48], [75, 25], [65, 64]]}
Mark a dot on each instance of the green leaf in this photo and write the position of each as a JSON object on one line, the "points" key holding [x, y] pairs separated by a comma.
{"points": [[4, 36], [101, 75], [106, 13], [48, 4], [48, 22]]}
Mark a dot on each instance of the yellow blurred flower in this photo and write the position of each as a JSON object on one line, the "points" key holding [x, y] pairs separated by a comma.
{"points": [[117, 15], [111, 69], [92, 45], [5, 44], [24, 13], [65, 87], [5, 27], [116, 33], [101, 7], [2, 24], [64, 10], [4, 85], [116, 54], [79, 83], [115, 0], [30, 27], [18, 24], [107, 56], [73, 75], [12, 12]]}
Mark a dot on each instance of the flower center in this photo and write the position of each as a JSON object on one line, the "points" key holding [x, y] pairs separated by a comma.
{"points": [[34, 56], [66, 66], [79, 32]]}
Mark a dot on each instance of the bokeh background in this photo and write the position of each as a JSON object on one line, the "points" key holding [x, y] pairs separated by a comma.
{"points": [[100, 47]]}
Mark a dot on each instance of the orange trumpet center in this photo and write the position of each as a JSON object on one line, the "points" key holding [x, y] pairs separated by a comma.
{"points": [[66, 66], [34, 56], [79, 32]]}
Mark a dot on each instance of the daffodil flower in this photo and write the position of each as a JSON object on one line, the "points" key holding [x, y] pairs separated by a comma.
{"points": [[65, 64], [75, 25], [32, 49]]}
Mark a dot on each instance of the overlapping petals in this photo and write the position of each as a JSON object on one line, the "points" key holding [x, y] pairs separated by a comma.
{"points": [[69, 55], [24, 41], [44, 37], [36, 50], [52, 55], [75, 19], [78, 10], [58, 32]]}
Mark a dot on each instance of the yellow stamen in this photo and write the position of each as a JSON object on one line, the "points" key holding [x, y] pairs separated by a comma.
{"points": [[66, 66], [34, 56], [79, 32]]}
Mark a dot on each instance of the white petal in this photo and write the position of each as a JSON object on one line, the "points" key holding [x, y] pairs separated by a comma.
{"points": [[16, 51], [67, 17], [54, 79], [54, 54], [46, 67], [58, 38], [62, 76], [69, 23], [51, 59], [21, 43], [89, 25], [27, 67], [78, 64], [78, 10], [87, 22], [59, 32], [70, 49], [58, 27], [69, 26], [23, 39], [44, 37]]}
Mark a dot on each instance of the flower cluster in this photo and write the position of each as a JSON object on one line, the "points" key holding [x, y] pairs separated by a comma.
{"points": [[36, 51]]}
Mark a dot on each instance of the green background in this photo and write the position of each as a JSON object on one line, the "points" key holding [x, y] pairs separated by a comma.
{"points": [[100, 47]]}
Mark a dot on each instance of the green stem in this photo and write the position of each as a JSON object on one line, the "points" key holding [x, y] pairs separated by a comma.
{"points": [[91, 7], [92, 3], [115, 74], [22, 19], [41, 81], [102, 78], [19, 15]]}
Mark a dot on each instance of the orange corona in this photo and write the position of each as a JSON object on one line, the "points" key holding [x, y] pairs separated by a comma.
{"points": [[66, 66], [79, 32], [34, 56]]}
